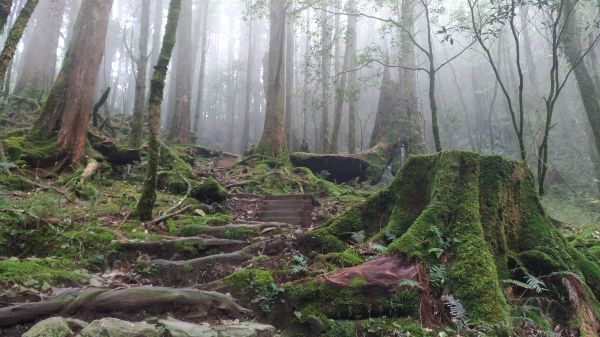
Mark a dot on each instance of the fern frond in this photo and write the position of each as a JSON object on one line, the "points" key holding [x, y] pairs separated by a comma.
{"points": [[457, 311], [409, 283]]}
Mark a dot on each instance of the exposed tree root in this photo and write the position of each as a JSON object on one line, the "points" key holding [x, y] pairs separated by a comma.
{"points": [[95, 300], [179, 246]]}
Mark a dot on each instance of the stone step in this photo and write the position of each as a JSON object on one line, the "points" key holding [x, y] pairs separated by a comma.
{"points": [[288, 220], [299, 203], [288, 197], [283, 213]]}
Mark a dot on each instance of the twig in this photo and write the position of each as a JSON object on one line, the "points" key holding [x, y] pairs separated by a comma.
{"points": [[173, 210]]}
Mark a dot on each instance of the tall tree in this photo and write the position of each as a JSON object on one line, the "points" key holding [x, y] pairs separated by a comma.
{"points": [[148, 198], [36, 74], [290, 47], [326, 47], [199, 113], [69, 104], [574, 51], [139, 108], [353, 92], [5, 6], [249, 84], [14, 36], [273, 139], [180, 125]]}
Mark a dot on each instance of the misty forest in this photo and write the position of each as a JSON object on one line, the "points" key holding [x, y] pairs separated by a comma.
{"points": [[282, 168]]}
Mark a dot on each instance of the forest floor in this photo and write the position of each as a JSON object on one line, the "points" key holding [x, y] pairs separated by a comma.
{"points": [[214, 260]]}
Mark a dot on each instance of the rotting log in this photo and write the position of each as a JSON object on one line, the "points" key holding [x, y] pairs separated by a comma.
{"points": [[101, 301], [113, 153]]}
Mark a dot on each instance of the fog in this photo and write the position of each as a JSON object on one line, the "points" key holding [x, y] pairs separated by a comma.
{"points": [[473, 110]]}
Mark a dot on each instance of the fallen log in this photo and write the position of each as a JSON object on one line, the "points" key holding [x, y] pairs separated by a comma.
{"points": [[130, 300], [340, 168], [181, 247], [113, 153]]}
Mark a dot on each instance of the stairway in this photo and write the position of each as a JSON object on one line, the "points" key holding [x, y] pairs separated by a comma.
{"points": [[226, 160], [290, 209]]}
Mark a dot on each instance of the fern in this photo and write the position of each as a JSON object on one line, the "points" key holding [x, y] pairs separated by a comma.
{"points": [[409, 283], [359, 237], [457, 311], [379, 248], [438, 274], [301, 264], [535, 283]]}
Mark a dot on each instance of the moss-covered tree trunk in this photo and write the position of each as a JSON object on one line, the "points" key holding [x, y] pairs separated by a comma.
{"points": [[36, 74], [5, 6], [139, 107], [14, 36], [146, 203], [479, 219], [69, 104], [272, 142]]}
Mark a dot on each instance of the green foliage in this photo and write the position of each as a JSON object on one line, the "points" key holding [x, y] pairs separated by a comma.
{"points": [[300, 264], [209, 191], [53, 271], [255, 285]]}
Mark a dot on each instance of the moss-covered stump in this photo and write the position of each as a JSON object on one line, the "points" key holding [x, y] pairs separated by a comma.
{"points": [[478, 223], [209, 191]]}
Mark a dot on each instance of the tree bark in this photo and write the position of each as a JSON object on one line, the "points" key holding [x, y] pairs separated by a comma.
{"points": [[326, 45], [146, 203], [14, 36], [249, 84], [273, 139], [139, 109], [587, 89], [5, 6], [351, 39], [36, 74], [199, 113], [290, 46], [180, 126], [69, 104]]}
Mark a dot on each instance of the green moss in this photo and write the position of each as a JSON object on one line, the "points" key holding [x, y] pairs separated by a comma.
{"points": [[347, 258], [209, 191], [12, 182], [49, 270], [30, 150]]}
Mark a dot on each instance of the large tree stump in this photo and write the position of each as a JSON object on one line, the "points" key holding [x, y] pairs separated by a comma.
{"points": [[481, 219]]}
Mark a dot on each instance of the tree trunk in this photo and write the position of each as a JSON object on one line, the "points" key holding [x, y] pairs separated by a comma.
{"points": [[36, 74], [69, 104], [273, 139], [14, 36], [199, 113], [146, 203], [342, 79], [587, 89], [353, 96], [249, 84], [290, 46], [5, 6], [326, 45], [180, 125], [139, 109]]}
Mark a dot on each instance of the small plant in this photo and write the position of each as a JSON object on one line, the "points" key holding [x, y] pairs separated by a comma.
{"points": [[379, 248], [437, 274], [457, 311], [409, 283], [359, 237], [267, 299], [300, 264]]}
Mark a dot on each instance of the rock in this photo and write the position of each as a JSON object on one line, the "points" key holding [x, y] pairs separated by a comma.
{"points": [[183, 329], [209, 191], [245, 329], [76, 324], [177, 328], [51, 327], [112, 327]]}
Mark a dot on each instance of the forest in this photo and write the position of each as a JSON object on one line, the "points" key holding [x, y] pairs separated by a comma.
{"points": [[283, 168]]}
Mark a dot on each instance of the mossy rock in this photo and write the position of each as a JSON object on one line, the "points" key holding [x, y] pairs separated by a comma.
{"points": [[481, 214], [209, 191]]}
